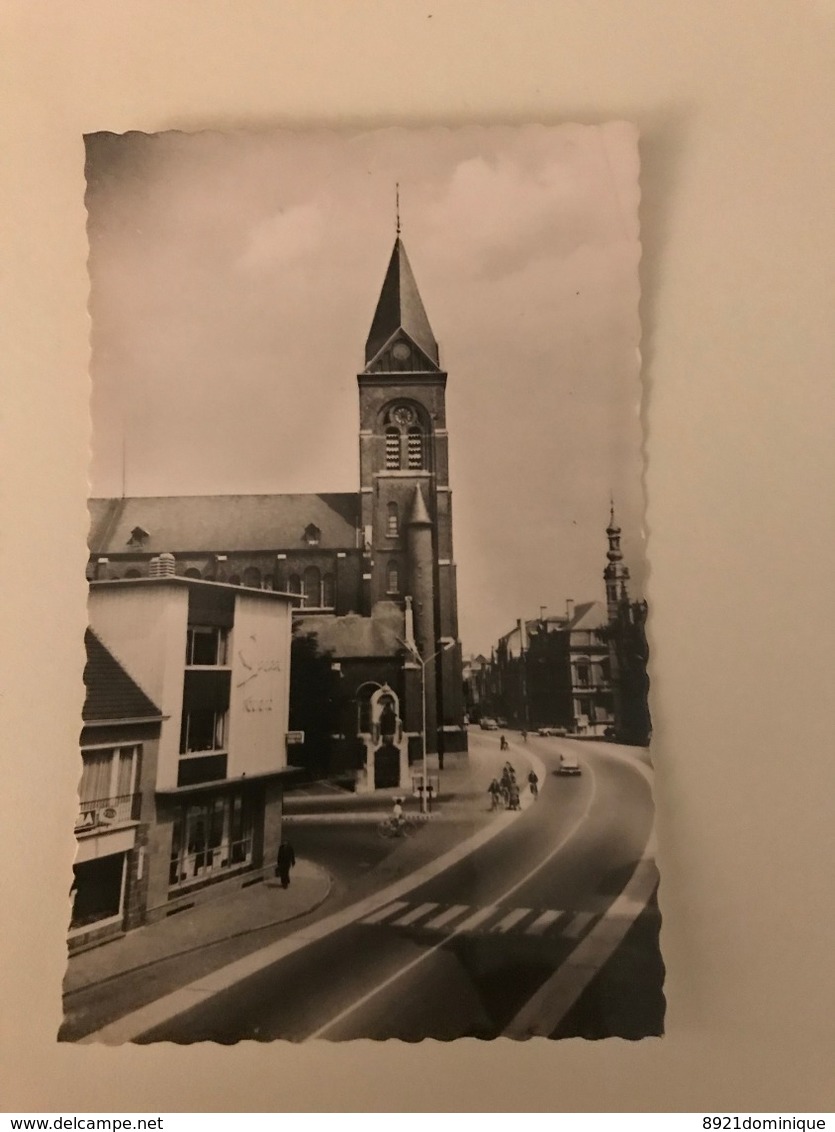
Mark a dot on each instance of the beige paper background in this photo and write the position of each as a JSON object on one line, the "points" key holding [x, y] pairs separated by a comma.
{"points": [[734, 102]]}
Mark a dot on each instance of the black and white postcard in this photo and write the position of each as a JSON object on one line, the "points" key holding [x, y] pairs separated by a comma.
{"points": [[365, 749]]}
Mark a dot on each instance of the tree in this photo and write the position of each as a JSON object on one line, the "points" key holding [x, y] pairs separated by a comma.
{"points": [[313, 706]]}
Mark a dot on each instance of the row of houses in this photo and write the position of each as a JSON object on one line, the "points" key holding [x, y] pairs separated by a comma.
{"points": [[582, 671]]}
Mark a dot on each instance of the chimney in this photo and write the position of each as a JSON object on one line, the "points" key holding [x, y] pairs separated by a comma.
{"points": [[163, 566], [569, 607]]}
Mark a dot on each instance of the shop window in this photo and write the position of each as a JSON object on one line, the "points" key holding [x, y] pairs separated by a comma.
{"points": [[98, 890], [210, 837]]}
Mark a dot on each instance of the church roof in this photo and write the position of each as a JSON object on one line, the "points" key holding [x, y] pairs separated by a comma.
{"points": [[400, 309], [221, 523], [111, 692]]}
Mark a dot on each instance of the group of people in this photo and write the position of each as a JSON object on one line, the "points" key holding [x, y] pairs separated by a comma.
{"points": [[504, 790]]}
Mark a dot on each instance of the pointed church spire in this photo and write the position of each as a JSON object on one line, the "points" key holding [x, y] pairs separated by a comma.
{"points": [[419, 515], [400, 308]]}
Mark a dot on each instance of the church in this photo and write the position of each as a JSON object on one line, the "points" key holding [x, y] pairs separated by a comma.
{"points": [[372, 572]]}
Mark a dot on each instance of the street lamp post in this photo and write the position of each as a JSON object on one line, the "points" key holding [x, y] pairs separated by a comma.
{"points": [[413, 652]]}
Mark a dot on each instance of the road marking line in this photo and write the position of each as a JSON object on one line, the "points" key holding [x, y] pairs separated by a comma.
{"points": [[578, 923], [415, 914], [159, 1011], [473, 921], [510, 920], [479, 917], [542, 1013], [542, 922], [445, 917], [383, 913]]}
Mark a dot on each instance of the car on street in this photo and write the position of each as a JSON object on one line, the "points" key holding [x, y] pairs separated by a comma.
{"points": [[489, 725], [569, 764], [558, 731]]}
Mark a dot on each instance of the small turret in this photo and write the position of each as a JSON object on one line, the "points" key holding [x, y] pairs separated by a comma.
{"points": [[616, 574]]}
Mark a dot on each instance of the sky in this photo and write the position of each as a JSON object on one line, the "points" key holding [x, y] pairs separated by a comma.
{"points": [[234, 278]]}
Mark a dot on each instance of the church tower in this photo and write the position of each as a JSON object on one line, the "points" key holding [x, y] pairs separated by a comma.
{"points": [[406, 504], [616, 573]]}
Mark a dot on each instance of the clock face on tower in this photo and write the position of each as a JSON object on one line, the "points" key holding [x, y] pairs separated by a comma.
{"points": [[401, 351], [403, 415]]}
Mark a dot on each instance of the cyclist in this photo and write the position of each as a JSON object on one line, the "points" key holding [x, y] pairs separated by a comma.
{"points": [[397, 813], [533, 783]]}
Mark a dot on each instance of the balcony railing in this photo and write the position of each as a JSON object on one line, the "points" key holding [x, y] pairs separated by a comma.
{"points": [[102, 813]]}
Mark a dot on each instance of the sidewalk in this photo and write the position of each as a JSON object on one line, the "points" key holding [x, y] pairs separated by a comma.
{"points": [[228, 910], [221, 914]]}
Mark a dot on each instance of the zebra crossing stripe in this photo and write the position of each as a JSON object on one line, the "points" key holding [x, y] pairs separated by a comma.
{"points": [[446, 917], [579, 922], [478, 917], [510, 919], [383, 913], [542, 922], [416, 914]]}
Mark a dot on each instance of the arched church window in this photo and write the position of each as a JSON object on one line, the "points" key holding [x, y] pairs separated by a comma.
{"points": [[252, 577], [414, 447], [192, 572], [393, 578], [234, 579], [294, 584], [328, 592], [393, 521], [312, 586], [392, 448]]}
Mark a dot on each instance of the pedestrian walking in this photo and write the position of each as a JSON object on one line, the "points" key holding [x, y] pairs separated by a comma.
{"points": [[284, 862], [513, 797], [495, 792], [502, 743]]}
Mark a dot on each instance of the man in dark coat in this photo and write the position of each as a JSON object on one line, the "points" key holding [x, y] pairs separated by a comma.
{"points": [[284, 862]]}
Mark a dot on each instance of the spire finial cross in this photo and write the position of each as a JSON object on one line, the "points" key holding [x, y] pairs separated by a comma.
{"points": [[397, 204]]}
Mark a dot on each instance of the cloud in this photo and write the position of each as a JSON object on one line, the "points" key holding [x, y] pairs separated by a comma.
{"points": [[506, 213], [282, 238]]}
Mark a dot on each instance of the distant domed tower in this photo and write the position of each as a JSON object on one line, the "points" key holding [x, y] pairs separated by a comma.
{"points": [[616, 573], [405, 498]]}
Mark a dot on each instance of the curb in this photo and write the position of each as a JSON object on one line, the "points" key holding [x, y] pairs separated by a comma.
{"points": [[204, 946]]}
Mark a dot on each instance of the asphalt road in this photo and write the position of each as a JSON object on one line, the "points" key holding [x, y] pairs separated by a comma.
{"points": [[462, 954]]}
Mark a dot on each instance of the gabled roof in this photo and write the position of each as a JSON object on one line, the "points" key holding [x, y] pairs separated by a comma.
{"points": [[222, 523], [111, 693], [400, 310], [589, 615]]}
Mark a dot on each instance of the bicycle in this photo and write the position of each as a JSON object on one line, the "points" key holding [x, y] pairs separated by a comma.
{"points": [[397, 827]]}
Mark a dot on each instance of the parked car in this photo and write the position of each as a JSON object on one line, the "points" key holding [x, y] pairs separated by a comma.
{"points": [[559, 731], [569, 764], [489, 725]]}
